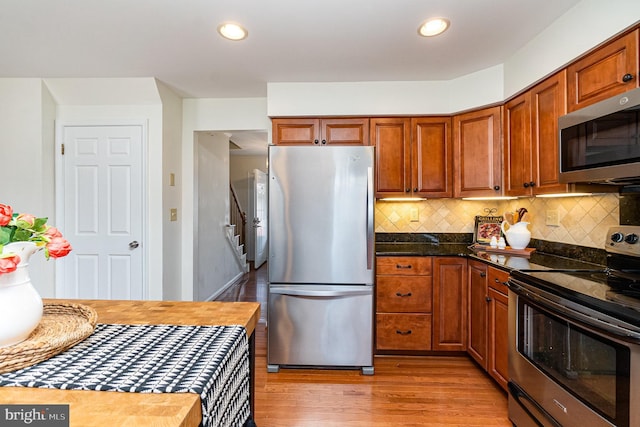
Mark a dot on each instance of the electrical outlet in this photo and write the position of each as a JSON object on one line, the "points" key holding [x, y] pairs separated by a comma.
{"points": [[413, 213], [552, 218]]}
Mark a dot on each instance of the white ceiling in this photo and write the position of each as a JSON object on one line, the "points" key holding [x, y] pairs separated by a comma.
{"points": [[176, 42]]}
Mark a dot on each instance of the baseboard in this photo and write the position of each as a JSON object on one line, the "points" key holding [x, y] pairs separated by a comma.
{"points": [[224, 288]]}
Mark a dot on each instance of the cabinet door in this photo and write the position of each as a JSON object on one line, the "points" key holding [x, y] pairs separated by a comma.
{"points": [[477, 154], [392, 138], [548, 103], [338, 131], [498, 360], [431, 157], [518, 179], [477, 344], [449, 304], [608, 71], [295, 131]]}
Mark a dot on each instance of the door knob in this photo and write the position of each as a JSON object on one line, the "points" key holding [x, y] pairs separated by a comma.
{"points": [[134, 244]]}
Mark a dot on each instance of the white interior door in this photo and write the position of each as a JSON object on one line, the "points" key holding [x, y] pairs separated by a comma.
{"points": [[260, 213], [102, 200]]}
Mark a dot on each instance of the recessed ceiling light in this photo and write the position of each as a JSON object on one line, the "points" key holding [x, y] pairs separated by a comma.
{"points": [[433, 27], [232, 31]]}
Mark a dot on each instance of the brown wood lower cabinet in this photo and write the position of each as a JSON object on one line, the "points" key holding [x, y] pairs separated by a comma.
{"points": [[449, 304], [488, 317], [421, 304]]}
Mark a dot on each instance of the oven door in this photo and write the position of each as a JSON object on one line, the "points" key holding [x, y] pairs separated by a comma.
{"points": [[565, 372]]}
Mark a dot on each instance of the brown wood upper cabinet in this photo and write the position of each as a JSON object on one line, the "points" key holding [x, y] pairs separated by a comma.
{"points": [[477, 153], [413, 156], [607, 71], [320, 131], [518, 176], [530, 129]]}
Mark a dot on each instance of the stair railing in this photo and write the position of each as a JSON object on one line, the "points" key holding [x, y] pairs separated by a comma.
{"points": [[238, 217]]}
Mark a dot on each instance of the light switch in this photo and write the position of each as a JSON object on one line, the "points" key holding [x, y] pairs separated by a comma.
{"points": [[552, 218], [174, 214], [172, 179], [413, 213]]}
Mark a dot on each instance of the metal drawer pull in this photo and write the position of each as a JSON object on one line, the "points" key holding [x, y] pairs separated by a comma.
{"points": [[403, 266], [403, 332], [398, 294]]}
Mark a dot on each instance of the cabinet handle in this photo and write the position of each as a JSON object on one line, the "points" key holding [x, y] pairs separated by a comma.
{"points": [[526, 185], [532, 184], [627, 77], [324, 142], [398, 294], [407, 190], [483, 274], [496, 280], [487, 299], [497, 188], [315, 141], [403, 266], [415, 190], [399, 332]]}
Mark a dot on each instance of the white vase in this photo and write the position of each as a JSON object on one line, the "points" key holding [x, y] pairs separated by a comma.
{"points": [[517, 234], [20, 303]]}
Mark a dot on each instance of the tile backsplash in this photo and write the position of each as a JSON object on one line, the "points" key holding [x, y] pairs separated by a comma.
{"points": [[581, 220]]}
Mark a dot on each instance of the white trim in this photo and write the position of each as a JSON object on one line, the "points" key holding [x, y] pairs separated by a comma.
{"points": [[59, 197], [229, 284]]}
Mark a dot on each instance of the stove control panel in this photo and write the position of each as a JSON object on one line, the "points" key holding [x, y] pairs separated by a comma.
{"points": [[624, 239]]}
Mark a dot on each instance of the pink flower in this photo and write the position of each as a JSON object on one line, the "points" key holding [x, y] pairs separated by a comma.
{"points": [[28, 220], [6, 212], [58, 247], [52, 232], [9, 264]]}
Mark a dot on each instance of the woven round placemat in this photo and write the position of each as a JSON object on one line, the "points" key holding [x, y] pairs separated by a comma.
{"points": [[61, 327]]}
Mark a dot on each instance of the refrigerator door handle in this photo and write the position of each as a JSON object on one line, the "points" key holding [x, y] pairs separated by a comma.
{"points": [[319, 293], [370, 203]]}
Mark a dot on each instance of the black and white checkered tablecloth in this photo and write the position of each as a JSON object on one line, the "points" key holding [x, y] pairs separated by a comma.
{"points": [[211, 361]]}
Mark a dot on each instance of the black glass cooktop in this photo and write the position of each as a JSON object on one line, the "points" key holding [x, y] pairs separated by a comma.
{"points": [[614, 292]]}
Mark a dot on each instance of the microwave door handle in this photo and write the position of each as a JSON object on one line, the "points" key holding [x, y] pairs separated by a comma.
{"points": [[526, 403]]}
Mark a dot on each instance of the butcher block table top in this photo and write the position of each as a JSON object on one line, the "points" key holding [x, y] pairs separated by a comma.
{"points": [[103, 408]]}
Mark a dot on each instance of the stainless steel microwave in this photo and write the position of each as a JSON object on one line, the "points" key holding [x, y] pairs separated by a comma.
{"points": [[601, 143]]}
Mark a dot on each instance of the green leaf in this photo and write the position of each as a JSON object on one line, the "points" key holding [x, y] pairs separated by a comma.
{"points": [[5, 235], [40, 224], [21, 235]]}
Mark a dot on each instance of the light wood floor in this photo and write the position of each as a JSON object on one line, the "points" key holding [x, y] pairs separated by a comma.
{"points": [[405, 391]]}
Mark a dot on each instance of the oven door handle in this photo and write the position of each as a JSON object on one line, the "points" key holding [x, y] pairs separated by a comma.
{"points": [[594, 319], [524, 401]]}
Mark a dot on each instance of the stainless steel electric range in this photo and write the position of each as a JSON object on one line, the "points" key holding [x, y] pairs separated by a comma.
{"points": [[574, 340]]}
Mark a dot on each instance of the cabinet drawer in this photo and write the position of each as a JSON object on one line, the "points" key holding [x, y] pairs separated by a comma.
{"points": [[402, 294], [497, 279], [409, 266], [403, 331]]}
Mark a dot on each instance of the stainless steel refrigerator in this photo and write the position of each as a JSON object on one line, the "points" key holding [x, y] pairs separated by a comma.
{"points": [[321, 257]]}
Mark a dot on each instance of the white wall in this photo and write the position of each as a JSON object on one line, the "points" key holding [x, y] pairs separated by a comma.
{"points": [[581, 28], [94, 101], [171, 195], [385, 98], [215, 115], [215, 264], [26, 147]]}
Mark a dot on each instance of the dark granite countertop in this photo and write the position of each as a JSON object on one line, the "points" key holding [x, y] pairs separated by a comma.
{"points": [[422, 249], [547, 254]]}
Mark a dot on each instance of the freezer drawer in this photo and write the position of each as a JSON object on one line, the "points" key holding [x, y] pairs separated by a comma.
{"points": [[320, 326]]}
